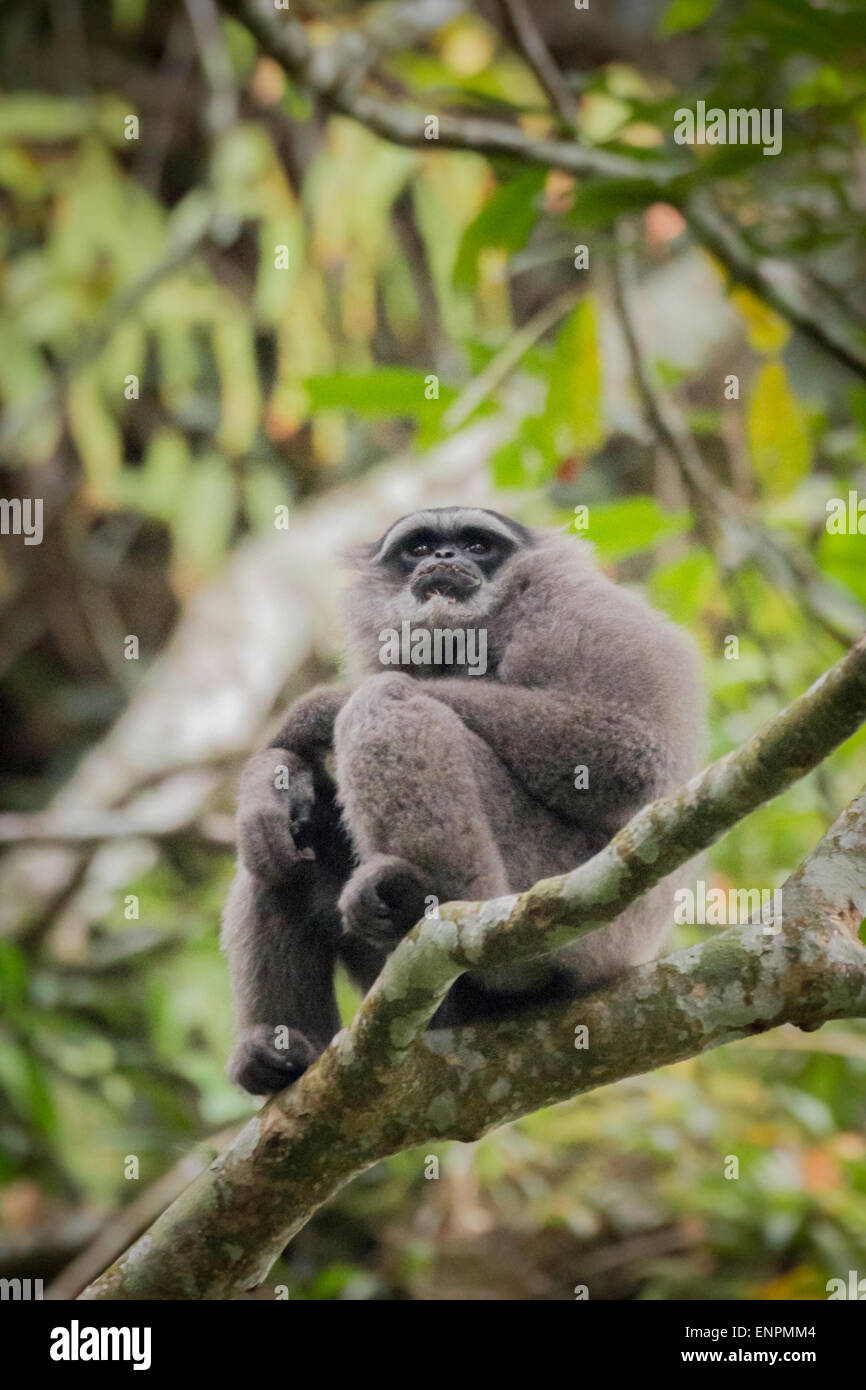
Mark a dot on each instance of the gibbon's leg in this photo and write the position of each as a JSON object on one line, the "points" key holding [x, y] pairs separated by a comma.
{"points": [[408, 776], [281, 944], [281, 925], [433, 811], [363, 962]]}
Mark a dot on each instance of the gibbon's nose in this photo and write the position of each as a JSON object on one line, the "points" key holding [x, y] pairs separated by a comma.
{"points": [[445, 552]]}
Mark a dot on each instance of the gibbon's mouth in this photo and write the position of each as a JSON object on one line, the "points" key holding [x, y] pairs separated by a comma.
{"points": [[445, 580]]}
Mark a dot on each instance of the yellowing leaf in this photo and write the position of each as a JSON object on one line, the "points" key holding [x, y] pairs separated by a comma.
{"points": [[96, 438], [768, 331], [574, 402], [239, 385], [158, 487], [202, 524], [803, 1284], [779, 442], [25, 387], [601, 115], [467, 46]]}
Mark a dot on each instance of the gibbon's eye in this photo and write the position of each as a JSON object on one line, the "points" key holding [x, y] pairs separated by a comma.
{"points": [[419, 548], [478, 547]]}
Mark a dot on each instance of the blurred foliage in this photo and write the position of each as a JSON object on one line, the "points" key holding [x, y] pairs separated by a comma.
{"points": [[221, 314]]}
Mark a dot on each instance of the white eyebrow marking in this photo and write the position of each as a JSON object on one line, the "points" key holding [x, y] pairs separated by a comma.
{"points": [[462, 519]]}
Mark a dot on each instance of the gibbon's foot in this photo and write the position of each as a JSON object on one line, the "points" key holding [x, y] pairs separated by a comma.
{"points": [[383, 899], [262, 1068]]}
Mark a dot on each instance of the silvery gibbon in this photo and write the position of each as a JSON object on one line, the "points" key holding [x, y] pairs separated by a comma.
{"points": [[474, 770]]}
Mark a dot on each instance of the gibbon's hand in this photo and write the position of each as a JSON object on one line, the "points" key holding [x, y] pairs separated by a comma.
{"points": [[275, 808]]}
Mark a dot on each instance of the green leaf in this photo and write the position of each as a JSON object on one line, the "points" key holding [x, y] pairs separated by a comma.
{"points": [[13, 976], [857, 405], [25, 385], [684, 588], [24, 1083], [632, 525], [528, 460], [841, 558], [96, 437], [202, 524], [508, 466], [35, 116], [685, 14], [276, 289], [128, 14], [505, 221], [264, 491], [598, 202], [387, 391], [240, 399], [158, 487], [779, 441]]}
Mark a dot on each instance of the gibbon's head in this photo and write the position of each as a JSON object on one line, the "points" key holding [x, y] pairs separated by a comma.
{"points": [[450, 554], [440, 568]]}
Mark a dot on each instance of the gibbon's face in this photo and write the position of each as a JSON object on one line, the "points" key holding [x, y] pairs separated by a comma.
{"points": [[446, 558]]}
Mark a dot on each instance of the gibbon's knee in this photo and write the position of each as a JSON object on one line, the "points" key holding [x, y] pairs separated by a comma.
{"points": [[392, 739], [383, 702], [407, 781]]}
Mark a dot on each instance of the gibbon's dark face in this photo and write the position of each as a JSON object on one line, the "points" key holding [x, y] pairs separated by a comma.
{"points": [[448, 553]]}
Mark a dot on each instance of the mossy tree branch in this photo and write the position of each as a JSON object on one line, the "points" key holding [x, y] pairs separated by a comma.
{"points": [[385, 1084]]}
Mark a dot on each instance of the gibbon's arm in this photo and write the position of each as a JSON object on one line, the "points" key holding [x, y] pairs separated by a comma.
{"points": [[543, 736], [308, 728]]}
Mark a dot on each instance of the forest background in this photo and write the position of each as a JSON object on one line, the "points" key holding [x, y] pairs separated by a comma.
{"points": [[244, 321]]}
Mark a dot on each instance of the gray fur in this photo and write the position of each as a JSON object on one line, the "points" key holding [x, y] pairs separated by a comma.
{"points": [[452, 785]]}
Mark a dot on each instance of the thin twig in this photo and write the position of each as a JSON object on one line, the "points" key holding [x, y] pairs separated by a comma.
{"points": [[216, 63], [500, 366], [41, 828], [535, 50], [768, 551], [328, 70], [780, 283]]}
